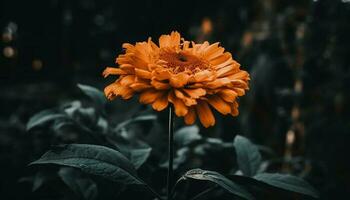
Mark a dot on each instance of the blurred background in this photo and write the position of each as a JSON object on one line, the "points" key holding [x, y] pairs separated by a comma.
{"points": [[297, 53]]}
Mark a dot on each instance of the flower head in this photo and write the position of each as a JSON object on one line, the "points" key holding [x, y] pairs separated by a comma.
{"points": [[192, 77]]}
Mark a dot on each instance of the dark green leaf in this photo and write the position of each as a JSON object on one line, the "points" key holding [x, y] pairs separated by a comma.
{"points": [[136, 119], [93, 159], [82, 186], [95, 94], [222, 181], [248, 156], [288, 182], [139, 156], [187, 135], [44, 117]]}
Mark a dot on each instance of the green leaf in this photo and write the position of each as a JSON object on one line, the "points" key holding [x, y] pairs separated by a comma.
{"points": [[93, 159], [248, 156], [139, 156], [82, 186], [95, 94], [136, 119], [39, 179], [44, 117], [186, 135], [288, 182], [222, 181]]}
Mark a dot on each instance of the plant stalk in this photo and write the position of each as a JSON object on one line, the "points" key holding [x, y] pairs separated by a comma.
{"points": [[170, 153]]}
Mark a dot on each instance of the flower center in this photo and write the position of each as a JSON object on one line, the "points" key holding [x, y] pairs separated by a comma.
{"points": [[183, 61]]}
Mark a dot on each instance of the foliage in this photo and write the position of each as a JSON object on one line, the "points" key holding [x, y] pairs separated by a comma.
{"points": [[111, 154]]}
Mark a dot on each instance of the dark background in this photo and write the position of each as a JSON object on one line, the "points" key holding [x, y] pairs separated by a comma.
{"points": [[297, 53]]}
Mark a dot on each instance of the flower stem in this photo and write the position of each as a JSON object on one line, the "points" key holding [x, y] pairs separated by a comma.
{"points": [[170, 153]]}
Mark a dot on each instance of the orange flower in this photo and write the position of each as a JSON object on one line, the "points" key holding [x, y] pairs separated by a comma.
{"points": [[193, 77]]}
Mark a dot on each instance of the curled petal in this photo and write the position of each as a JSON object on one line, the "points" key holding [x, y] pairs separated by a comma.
{"points": [[140, 86], [196, 85], [205, 115], [138, 62], [190, 117], [215, 53], [159, 85], [234, 109], [218, 83], [179, 80], [226, 71], [221, 59], [128, 47], [219, 104], [161, 74], [243, 75], [170, 40], [127, 80], [161, 102], [116, 89], [195, 93], [239, 84], [128, 68], [202, 76], [187, 100], [113, 71], [149, 96], [228, 95], [143, 74], [211, 49], [180, 108], [239, 91]]}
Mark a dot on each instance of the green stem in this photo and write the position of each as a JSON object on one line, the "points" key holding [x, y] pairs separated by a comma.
{"points": [[170, 153]]}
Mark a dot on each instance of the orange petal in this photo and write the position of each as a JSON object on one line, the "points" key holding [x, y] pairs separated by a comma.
{"points": [[215, 53], [161, 74], [187, 100], [239, 84], [128, 47], [161, 102], [218, 83], [228, 95], [170, 40], [115, 89], [201, 76], [202, 47], [196, 85], [226, 71], [226, 63], [128, 68], [127, 80], [159, 85], [185, 45], [143, 73], [110, 90], [113, 71], [239, 91], [179, 80], [219, 104], [221, 59], [180, 107], [140, 86], [149, 96], [205, 115], [195, 93], [126, 92], [243, 75], [234, 109], [190, 117]]}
